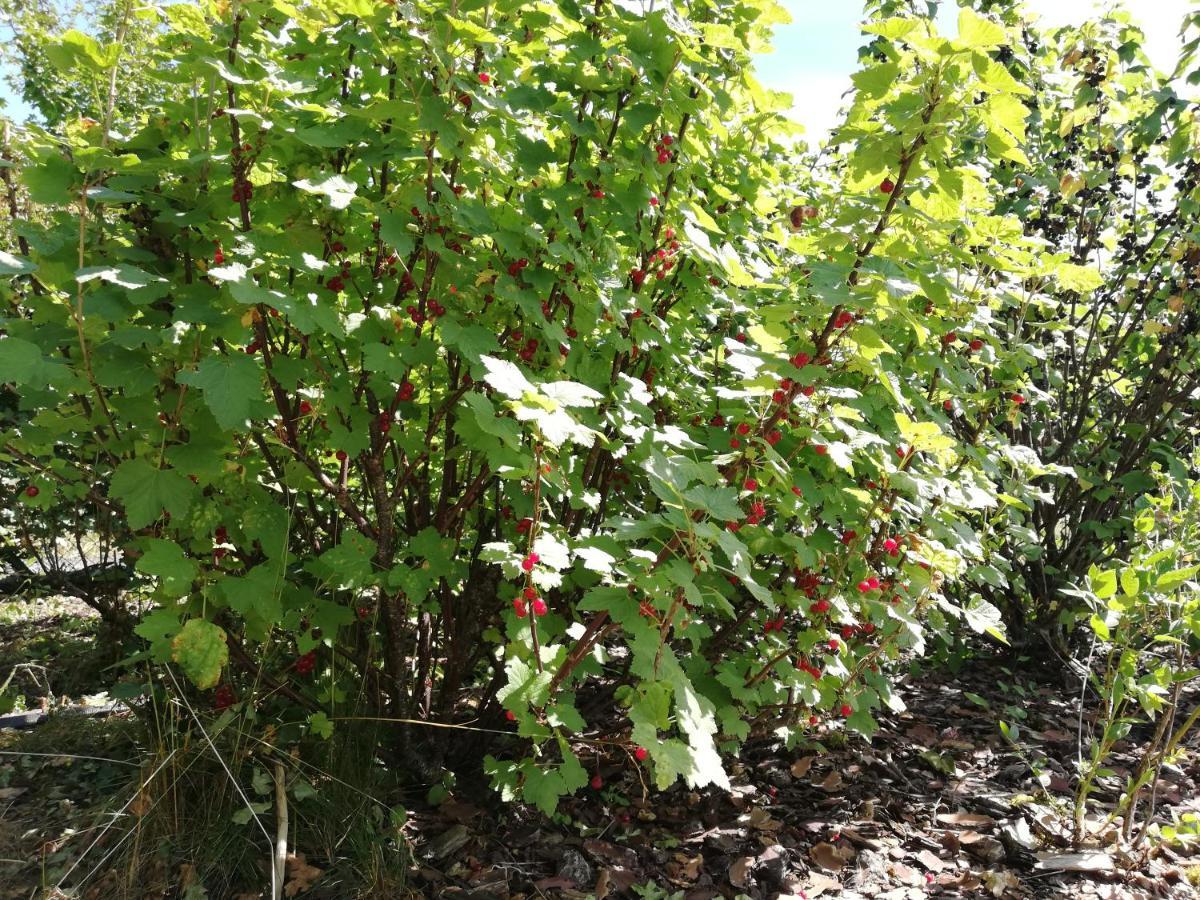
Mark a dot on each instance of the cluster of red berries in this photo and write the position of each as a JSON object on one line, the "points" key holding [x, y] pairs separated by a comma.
{"points": [[223, 698], [514, 268], [660, 147], [242, 189], [849, 631], [892, 546], [842, 319], [390, 261], [800, 214], [218, 256], [384, 420], [529, 562], [808, 581], [337, 283], [536, 604], [758, 512], [775, 624], [663, 257], [405, 393], [529, 350], [306, 663], [805, 666], [524, 525]]}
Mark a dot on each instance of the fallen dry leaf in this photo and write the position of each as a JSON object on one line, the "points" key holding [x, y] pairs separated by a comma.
{"points": [[801, 766], [187, 876], [761, 819], [966, 819], [833, 782], [1094, 861], [829, 857], [301, 875], [554, 882], [931, 861], [739, 872], [600, 891], [906, 875], [819, 884], [685, 868], [999, 882], [922, 734], [141, 804]]}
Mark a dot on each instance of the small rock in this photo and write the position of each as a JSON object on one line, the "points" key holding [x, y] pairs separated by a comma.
{"points": [[573, 867], [986, 848], [449, 841], [772, 866]]}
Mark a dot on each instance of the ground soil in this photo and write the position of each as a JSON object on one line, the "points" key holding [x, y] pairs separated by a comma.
{"points": [[939, 804]]}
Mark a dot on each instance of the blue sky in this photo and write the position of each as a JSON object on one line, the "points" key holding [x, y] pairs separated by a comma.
{"points": [[816, 53]]}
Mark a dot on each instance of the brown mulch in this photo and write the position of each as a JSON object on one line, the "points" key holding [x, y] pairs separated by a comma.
{"points": [[939, 804]]}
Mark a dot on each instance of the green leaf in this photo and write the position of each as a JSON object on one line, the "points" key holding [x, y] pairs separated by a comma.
{"points": [[1129, 581], [201, 651], [976, 32], [15, 265], [22, 362], [506, 378], [256, 597], [1174, 579], [863, 722], [128, 277], [983, 617], [167, 561], [320, 725], [1104, 584], [336, 188], [148, 492], [1077, 278], [232, 388], [542, 788], [50, 180], [870, 344]]}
